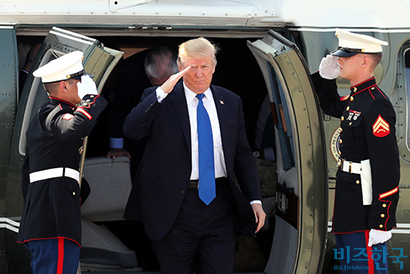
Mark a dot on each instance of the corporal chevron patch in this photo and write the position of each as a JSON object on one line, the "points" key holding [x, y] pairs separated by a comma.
{"points": [[381, 128]]}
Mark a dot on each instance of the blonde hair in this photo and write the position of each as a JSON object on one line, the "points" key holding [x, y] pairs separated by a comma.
{"points": [[194, 48]]}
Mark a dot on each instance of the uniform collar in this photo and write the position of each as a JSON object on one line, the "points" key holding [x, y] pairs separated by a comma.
{"points": [[55, 100], [363, 85]]}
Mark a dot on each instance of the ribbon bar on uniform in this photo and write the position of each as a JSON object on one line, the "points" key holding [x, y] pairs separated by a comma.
{"points": [[54, 173]]}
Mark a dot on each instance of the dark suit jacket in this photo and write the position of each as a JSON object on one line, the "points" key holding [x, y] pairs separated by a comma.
{"points": [[164, 173]]}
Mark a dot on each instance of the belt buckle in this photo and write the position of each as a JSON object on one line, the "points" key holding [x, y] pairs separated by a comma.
{"points": [[194, 182]]}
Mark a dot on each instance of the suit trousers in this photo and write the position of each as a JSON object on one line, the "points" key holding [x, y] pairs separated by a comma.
{"points": [[202, 238], [356, 257]]}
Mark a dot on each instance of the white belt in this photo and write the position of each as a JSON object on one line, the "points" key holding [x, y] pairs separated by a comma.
{"points": [[350, 167], [54, 173], [364, 170]]}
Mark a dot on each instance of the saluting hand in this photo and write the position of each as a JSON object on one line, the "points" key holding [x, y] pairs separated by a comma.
{"points": [[169, 84], [329, 68], [86, 86]]}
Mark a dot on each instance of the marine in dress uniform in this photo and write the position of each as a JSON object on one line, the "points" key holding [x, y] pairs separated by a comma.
{"points": [[51, 221], [367, 180]]}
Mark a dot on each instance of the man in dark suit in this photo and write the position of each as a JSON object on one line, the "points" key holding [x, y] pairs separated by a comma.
{"points": [[150, 67], [147, 68], [190, 225]]}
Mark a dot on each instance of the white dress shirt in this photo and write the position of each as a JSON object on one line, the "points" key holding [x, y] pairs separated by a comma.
{"points": [[219, 159]]}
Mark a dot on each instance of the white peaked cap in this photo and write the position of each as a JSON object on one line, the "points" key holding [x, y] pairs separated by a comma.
{"points": [[62, 68], [353, 43]]}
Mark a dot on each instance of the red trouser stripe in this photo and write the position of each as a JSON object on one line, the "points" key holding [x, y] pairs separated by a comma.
{"points": [[60, 263], [370, 262]]}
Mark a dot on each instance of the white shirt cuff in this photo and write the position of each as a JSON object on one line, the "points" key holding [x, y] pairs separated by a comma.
{"points": [[116, 142], [256, 202], [160, 94]]}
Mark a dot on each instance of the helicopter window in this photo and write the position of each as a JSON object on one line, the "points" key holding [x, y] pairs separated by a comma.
{"points": [[285, 133]]}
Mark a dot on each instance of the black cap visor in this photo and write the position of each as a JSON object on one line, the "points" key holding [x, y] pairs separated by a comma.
{"points": [[346, 52], [78, 75]]}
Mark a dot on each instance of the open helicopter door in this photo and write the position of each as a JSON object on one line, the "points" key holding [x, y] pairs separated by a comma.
{"points": [[98, 61], [301, 192]]}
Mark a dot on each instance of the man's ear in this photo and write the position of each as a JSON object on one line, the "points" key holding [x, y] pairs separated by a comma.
{"points": [[63, 86], [366, 60]]}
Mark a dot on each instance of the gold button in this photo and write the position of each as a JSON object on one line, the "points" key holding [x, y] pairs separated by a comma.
{"points": [[382, 215], [384, 205], [342, 119], [340, 153], [381, 226], [347, 109], [73, 193], [351, 98], [357, 181], [340, 130], [350, 123], [340, 141], [372, 88], [354, 89]]}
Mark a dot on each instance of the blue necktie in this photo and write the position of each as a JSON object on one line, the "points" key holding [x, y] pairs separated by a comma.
{"points": [[206, 186]]}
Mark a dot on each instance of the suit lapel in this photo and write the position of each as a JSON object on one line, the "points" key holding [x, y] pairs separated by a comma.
{"points": [[222, 110], [181, 109]]}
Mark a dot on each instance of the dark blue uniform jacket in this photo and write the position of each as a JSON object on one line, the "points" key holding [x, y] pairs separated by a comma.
{"points": [[367, 132], [54, 140]]}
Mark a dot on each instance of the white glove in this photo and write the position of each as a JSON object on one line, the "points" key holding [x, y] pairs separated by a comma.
{"points": [[329, 68], [86, 86], [378, 236]]}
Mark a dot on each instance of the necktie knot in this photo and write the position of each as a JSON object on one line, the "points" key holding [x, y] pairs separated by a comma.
{"points": [[200, 96]]}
